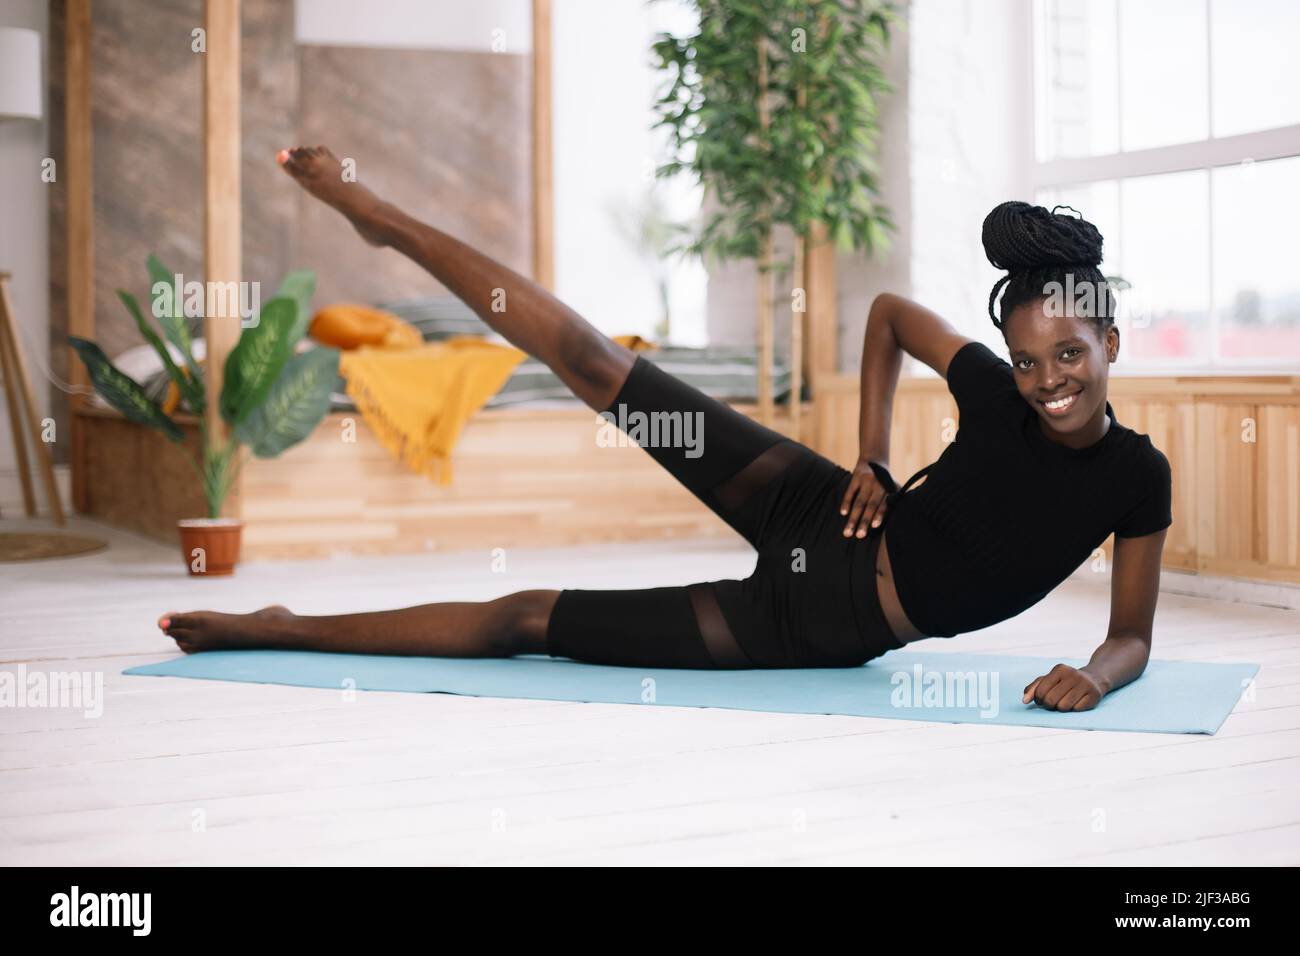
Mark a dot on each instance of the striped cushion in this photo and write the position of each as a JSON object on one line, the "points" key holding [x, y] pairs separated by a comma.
{"points": [[439, 318], [155, 385], [726, 373]]}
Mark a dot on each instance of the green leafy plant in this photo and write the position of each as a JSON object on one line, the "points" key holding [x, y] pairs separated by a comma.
{"points": [[270, 399], [774, 108]]}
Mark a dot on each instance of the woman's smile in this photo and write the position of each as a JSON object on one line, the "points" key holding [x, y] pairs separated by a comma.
{"points": [[1062, 405]]}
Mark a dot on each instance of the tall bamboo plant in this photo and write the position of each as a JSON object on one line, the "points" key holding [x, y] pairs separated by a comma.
{"points": [[773, 106], [270, 400]]}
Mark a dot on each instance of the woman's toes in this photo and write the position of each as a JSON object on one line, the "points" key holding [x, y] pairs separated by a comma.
{"points": [[184, 622]]}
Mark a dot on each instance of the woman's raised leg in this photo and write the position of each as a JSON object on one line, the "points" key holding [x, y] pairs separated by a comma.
{"points": [[737, 461], [730, 458], [592, 365]]}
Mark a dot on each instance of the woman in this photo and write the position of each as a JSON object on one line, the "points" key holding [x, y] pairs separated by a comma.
{"points": [[1040, 475]]}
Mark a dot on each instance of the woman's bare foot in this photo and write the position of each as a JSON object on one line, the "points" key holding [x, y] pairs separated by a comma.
{"points": [[194, 631], [319, 172]]}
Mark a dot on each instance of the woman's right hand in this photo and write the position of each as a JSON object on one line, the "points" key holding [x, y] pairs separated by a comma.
{"points": [[864, 501]]}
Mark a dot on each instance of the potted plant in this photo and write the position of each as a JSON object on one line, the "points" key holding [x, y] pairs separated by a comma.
{"points": [[271, 399], [774, 109]]}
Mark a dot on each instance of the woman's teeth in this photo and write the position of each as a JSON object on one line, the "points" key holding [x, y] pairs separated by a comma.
{"points": [[1062, 404]]}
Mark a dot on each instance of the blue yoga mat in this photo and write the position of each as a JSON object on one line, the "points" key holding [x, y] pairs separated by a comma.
{"points": [[1178, 697]]}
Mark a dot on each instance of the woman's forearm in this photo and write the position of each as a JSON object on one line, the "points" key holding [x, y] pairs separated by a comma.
{"points": [[882, 360]]}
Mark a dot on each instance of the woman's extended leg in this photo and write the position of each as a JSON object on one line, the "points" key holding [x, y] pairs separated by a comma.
{"points": [[514, 624], [592, 365], [733, 464], [731, 457]]}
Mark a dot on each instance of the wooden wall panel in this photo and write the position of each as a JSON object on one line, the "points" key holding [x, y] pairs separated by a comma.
{"points": [[1225, 507], [1277, 508], [836, 419], [1171, 423], [522, 478]]}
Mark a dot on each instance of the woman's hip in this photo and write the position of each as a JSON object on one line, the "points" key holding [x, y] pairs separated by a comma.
{"points": [[814, 607]]}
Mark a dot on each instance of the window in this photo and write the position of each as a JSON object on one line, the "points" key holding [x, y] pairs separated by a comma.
{"points": [[1174, 126]]}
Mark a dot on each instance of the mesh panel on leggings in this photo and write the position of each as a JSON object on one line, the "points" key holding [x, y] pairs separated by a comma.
{"points": [[758, 474], [718, 639], [732, 495]]}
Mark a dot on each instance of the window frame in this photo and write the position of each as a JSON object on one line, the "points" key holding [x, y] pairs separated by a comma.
{"points": [[1282, 142]]}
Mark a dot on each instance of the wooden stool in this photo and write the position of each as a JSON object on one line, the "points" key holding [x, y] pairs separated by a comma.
{"points": [[13, 369]]}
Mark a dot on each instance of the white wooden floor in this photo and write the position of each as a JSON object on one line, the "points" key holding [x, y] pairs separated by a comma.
{"points": [[197, 772]]}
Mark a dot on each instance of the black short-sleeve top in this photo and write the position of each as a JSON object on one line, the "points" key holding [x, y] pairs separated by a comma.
{"points": [[1006, 514]]}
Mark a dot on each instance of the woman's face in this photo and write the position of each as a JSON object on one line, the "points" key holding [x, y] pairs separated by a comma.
{"points": [[1059, 359]]}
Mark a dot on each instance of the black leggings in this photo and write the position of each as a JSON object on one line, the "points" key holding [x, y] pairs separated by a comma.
{"points": [[811, 601]]}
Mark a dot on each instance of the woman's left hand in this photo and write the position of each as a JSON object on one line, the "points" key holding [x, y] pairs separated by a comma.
{"points": [[864, 500], [1064, 688]]}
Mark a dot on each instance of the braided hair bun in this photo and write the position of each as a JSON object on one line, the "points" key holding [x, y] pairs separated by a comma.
{"points": [[1037, 247]]}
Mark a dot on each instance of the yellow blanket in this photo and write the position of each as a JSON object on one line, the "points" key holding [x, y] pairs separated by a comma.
{"points": [[417, 400]]}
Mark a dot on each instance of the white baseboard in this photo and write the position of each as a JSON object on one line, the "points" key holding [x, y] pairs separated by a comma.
{"points": [[1240, 590], [1265, 593]]}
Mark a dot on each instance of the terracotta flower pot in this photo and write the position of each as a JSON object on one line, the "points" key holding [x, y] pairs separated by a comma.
{"points": [[210, 546]]}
